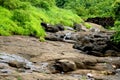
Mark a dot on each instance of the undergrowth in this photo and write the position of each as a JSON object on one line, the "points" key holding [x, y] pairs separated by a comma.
{"points": [[23, 17]]}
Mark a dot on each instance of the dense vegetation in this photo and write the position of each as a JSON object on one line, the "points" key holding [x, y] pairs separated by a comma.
{"points": [[88, 8], [23, 17], [95, 8]]}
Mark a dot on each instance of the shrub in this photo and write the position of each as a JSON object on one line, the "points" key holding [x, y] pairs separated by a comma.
{"points": [[21, 16], [11, 4]]}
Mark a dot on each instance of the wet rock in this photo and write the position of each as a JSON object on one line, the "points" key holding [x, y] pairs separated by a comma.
{"points": [[17, 61]]}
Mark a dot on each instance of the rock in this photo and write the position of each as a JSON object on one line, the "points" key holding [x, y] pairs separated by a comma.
{"points": [[21, 70], [44, 24], [79, 27], [104, 21], [3, 66], [60, 27], [66, 36], [95, 53], [6, 71], [89, 75], [111, 53], [97, 44], [69, 28], [117, 71], [96, 27], [55, 36], [64, 65], [103, 67], [17, 64], [80, 65], [49, 28], [52, 28], [17, 61]]}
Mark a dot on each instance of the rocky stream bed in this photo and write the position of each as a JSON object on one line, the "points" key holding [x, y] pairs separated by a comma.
{"points": [[71, 54]]}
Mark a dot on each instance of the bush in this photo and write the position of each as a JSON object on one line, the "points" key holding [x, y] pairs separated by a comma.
{"points": [[11, 4], [40, 4], [23, 17], [116, 7], [8, 27]]}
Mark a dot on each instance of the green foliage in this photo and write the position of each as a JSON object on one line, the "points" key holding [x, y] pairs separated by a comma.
{"points": [[11, 4], [90, 8], [116, 37], [19, 22], [62, 16], [14, 4], [95, 8], [87, 25], [116, 9], [40, 4], [23, 17], [19, 78], [61, 3]]}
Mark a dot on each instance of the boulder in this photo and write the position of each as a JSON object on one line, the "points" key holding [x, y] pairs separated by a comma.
{"points": [[17, 64], [60, 27], [80, 27], [97, 44], [64, 65], [105, 21], [52, 28]]}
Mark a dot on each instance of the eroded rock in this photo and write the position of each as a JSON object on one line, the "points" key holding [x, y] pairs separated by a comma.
{"points": [[64, 65], [97, 44]]}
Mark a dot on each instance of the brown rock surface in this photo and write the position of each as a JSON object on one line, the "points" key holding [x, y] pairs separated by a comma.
{"points": [[50, 51]]}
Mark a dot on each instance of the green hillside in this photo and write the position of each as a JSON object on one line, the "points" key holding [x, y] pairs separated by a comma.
{"points": [[23, 17], [95, 8]]}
